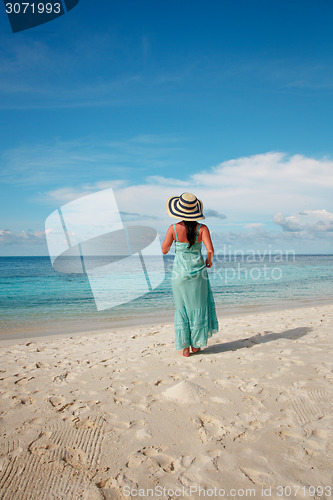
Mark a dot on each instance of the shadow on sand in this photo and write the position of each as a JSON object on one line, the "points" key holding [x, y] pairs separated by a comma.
{"points": [[294, 333]]}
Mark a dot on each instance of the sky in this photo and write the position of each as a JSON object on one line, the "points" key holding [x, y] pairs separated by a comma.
{"points": [[231, 101]]}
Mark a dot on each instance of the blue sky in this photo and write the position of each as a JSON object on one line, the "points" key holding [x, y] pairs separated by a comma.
{"points": [[229, 100]]}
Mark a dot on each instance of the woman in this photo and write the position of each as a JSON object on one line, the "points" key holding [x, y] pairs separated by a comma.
{"points": [[195, 316]]}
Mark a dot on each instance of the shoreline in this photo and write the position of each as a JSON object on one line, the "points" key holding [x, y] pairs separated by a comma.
{"points": [[149, 320]]}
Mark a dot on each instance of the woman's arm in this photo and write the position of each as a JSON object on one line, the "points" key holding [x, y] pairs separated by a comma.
{"points": [[168, 240], [208, 244]]}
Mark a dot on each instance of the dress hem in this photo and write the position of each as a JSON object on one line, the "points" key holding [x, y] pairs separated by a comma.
{"points": [[202, 343]]}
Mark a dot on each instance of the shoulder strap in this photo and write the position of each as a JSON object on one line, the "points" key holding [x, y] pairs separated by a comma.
{"points": [[196, 238], [174, 227]]}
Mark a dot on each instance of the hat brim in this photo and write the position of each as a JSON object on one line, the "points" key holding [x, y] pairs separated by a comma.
{"points": [[177, 212]]}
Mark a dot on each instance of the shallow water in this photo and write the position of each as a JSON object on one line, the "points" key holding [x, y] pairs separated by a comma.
{"points": [[35, 297]]}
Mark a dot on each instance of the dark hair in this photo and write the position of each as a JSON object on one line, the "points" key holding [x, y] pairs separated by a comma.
{"points": [[190, 231]]}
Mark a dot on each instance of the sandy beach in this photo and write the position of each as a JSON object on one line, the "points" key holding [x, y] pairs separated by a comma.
{"points": [[121, 414]]}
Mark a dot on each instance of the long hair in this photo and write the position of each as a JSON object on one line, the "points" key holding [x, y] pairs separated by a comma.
{"points": [[190, 231]]}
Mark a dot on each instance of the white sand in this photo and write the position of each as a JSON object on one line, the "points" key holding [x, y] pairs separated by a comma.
{"points": [[85, 416]]}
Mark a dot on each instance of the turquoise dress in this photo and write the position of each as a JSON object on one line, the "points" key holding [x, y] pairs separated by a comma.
{"points": [[195, 316]]}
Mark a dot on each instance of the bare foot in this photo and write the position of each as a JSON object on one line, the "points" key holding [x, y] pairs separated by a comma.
{"points": [[195, 349], [186, 352]]}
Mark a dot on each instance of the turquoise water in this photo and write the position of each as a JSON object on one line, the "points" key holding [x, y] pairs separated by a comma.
{"points": [[34, 297]]}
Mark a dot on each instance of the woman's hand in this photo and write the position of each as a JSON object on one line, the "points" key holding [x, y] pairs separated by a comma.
{"points": [[209, 263]]}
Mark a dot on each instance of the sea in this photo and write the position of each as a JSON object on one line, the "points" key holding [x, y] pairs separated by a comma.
{"points": [[35, 299]]}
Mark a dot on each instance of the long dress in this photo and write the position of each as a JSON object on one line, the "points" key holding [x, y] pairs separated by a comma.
{"points": [[195, 316]]}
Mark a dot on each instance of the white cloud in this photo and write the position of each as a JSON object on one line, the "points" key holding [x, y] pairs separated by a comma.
{"points": [[66, 194], [287, 224], [268, 183], [312, 221], [252, 192], [256, 186], [248, 189], [244, 189], [8, 238]]}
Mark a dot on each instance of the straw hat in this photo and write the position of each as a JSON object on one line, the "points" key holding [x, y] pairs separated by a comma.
{"points": [[186, 207]]}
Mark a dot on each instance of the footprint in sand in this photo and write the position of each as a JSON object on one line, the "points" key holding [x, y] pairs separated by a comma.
{"points": [[56, 401], [61, 379], [319, 438], [23, 380], [262, 478], [192, 467], [151, 461], [75, 457], [154, 459], [24, 400], [209, 428], [43, 444], [252, 386], [292, 434], [112, 488], [143, 434], [138, 426]]}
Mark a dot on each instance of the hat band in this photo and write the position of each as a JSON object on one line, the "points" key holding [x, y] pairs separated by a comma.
{"points": [[191, 206], [177, 209]]}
